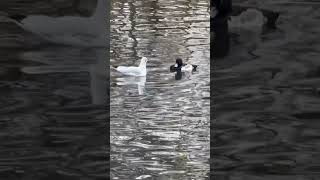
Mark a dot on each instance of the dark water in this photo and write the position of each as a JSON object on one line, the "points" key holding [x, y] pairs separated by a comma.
{"points": [[267, 98], [53, 115], [159, 125]]}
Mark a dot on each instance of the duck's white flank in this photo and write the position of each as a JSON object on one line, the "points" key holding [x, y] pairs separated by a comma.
{"points": [[187, 68]]}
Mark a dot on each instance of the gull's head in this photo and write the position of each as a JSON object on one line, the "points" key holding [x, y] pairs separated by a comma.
{"points": [[144, 61]]}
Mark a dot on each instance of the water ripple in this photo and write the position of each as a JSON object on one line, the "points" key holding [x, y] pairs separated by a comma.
{"points": [[163, 132]]}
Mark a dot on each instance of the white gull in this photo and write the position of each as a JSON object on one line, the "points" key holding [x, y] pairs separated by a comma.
{"points": [[141, 70]]}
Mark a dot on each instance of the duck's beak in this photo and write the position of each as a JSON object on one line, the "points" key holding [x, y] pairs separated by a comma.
{"points": [[176, 65]]}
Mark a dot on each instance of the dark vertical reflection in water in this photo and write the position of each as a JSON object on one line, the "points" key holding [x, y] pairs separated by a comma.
{"points": [[160, 126]]}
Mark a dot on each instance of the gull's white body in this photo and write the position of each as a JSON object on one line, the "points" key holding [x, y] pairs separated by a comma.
{"points": [[141, 70], [70, 30]]}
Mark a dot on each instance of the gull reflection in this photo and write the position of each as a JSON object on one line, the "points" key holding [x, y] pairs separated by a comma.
{"points": [[98, 78], [132, 80], [74, 63]]}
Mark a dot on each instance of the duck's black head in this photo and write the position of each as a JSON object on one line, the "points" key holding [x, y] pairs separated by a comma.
{"points": [[179, 62], [177, 66]]}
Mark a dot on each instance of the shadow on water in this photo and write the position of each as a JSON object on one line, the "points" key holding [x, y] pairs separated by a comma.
{"points": [[161, 132]]}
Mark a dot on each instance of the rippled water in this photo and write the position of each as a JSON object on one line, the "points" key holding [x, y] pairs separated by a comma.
{"points": [[267, 98], [159, 125], [267, 101], [53, 113]]}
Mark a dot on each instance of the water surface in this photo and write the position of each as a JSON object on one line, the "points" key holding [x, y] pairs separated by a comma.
{"points": [[267, 98], [160, 125], [53, 111]]}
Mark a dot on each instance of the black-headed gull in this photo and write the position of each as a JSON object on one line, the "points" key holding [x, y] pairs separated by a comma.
{"points": [[180, 66], [141, 70], [70, 30]]}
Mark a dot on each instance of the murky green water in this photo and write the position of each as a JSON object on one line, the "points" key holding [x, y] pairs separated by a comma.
{"points": [[159, 125]]}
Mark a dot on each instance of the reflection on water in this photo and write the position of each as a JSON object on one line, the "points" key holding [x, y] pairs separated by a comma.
{"points": [[129, 80], [56, 61], [160, 126]]}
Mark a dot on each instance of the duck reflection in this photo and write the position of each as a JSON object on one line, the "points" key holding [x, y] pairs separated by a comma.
{"points": [[178, 75]]}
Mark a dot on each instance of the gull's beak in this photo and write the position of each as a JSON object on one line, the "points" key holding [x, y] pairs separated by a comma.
{"points": [[176, 65]]}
